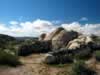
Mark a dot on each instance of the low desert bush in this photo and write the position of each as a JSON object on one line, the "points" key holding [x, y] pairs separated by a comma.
{"points": [[79, 68], [84, 55], [97, 55], [8, 57], [35, 47]]}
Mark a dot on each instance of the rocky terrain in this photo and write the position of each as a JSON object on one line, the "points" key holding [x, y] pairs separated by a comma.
{"points": [[51, 54]]}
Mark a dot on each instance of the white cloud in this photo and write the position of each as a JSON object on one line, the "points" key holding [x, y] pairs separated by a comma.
{"points": [[87, 29], [27, 28], [72, 26], [35, 28], [13, 22], [84, 19]]}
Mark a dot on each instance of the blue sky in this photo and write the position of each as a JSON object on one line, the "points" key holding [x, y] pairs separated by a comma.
{"points": [[65, 10], [13, 13]]}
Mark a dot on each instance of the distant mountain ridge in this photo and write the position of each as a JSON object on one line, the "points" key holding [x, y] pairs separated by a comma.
{"points": [[11, 38], [24, 38], [6, 37]]}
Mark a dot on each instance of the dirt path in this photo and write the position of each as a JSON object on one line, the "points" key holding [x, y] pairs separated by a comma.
{"points": [[32, 65]]}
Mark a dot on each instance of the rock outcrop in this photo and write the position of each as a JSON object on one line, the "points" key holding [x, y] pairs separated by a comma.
{"points": [[65, 55], [62, 39], [60, 45], [69, 43], [58, 59], [79, 42], [53, 33]]}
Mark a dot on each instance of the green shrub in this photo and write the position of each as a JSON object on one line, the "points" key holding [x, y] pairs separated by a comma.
{"points": [[97, 55], [8, 57], [79, 68], [35, 47], [84, 55]]}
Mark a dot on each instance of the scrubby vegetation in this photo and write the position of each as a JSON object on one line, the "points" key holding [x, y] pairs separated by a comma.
{"points": [[5, 40], [8, 57], [8, 52], [79, 68], [96, 38], [97, 55], [33, 47], [84, 55]]}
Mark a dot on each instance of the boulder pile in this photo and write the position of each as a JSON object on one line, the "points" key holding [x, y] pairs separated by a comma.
{"points": [[67, 43], [60, 38], [59, 45]]}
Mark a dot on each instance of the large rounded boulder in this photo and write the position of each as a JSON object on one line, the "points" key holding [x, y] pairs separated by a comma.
{"points": [[59, 37], [53, 33], [57, 59], [62, 39]]}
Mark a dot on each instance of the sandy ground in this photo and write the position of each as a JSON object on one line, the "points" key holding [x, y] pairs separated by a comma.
{"points": [[32, 65]]}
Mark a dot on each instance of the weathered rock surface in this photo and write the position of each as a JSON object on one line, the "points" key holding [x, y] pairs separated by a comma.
{"points": [[59, 38], [64, 55], [53, 33], [62, 39], [58, 59], [79, 42]]}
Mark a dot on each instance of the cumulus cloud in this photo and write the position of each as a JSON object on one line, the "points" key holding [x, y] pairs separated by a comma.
{"points": [[27, 28], [87, 29], [72, 26], [37, 27]]}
